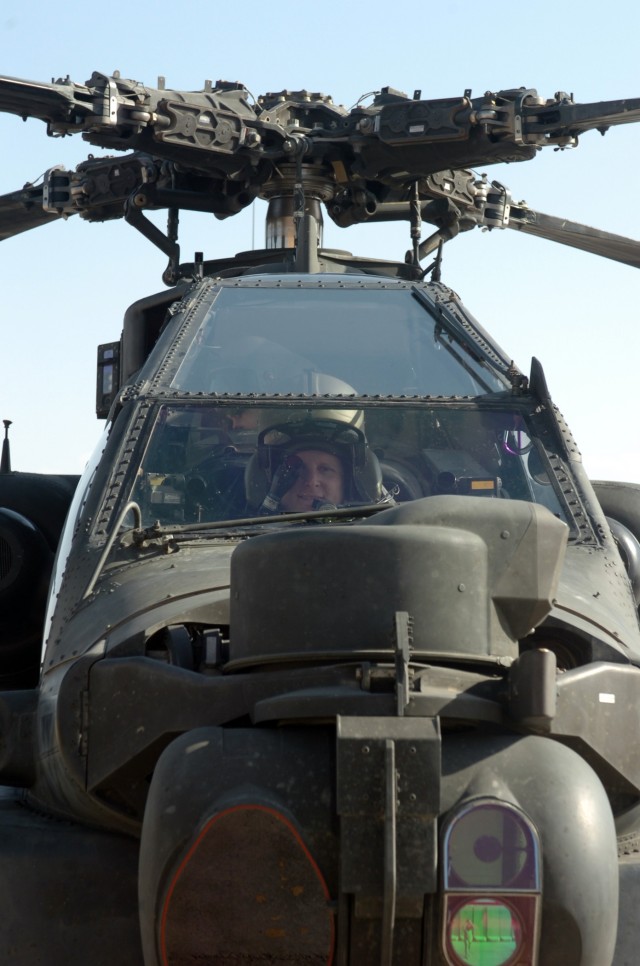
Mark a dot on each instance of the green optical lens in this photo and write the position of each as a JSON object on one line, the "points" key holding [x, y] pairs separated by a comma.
{"points": [[482, 932]]}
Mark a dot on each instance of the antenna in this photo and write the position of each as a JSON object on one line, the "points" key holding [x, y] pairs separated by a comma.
{"points": [[5, 461]]}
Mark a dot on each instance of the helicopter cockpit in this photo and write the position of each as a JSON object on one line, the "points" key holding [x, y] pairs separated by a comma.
{"points": [[398, 391], [207, 461], [376, 373]]}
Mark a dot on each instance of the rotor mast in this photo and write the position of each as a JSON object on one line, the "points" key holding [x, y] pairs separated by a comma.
{"points": [[294, 215]]}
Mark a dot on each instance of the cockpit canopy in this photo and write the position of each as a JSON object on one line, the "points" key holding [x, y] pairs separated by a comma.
{"points": [[395, 386], [369, 339]]}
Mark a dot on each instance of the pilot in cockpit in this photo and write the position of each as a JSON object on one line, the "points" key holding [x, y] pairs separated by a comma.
{"points": [[322, 461]]}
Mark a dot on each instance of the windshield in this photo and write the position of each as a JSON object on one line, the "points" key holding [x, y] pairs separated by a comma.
{"points": [[211, 461], [370, 341]]}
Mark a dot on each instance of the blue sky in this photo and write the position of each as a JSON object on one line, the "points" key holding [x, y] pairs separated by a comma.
{"points": [[67, 285]]}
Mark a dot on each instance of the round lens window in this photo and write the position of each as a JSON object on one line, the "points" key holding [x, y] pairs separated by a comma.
{"points": [[491, 846], [482, 932]]}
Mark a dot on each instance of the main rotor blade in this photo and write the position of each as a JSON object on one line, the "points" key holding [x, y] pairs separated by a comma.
{"points": [[616, 247], [22, 210], [55, 102]]}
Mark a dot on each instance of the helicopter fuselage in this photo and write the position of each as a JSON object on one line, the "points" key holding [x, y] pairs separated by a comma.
{"points": [[390, 717]]}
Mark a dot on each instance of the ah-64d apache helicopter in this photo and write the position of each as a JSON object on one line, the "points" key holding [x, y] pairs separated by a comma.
{"points": [[341, 657]]}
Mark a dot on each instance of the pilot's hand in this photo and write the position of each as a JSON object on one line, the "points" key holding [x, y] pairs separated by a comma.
{"points": [[283, 479]]}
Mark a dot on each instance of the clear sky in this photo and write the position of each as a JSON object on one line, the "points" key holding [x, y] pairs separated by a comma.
{"points": [[66, 286]]}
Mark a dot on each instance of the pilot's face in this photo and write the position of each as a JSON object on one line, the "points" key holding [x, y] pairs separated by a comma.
{"points": [[321, 479], [243, 419]]}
